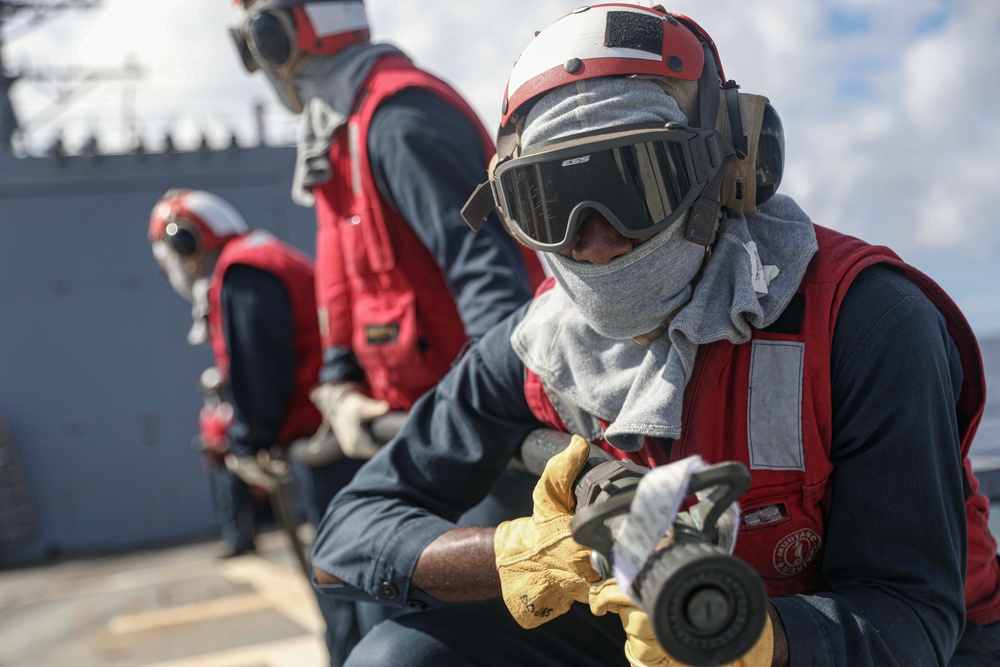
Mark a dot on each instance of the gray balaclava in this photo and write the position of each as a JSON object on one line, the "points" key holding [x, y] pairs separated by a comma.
{"points": [[623, 298]]}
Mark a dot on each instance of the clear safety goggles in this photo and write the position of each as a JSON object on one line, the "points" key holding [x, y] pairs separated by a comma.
{"points": [[640, 180]]}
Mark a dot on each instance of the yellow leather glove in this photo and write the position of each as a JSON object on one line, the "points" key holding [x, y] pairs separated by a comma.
{"points": [[641, 647], [542, 568]]}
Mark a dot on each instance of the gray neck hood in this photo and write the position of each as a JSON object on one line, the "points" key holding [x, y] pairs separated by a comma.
{"points": [[755, 269]]}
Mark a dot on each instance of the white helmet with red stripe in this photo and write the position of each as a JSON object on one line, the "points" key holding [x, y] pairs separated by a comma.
{"points": [[620, 39], [193, 221], [612, 40], [603, 40]]}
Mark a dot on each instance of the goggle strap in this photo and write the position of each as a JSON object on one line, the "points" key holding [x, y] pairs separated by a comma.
{"points": [[479, 206], [735, 120], [705, 211], [509, 138]]}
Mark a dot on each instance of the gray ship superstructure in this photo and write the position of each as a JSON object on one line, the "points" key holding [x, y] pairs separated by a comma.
{"points": [[98, 386]]}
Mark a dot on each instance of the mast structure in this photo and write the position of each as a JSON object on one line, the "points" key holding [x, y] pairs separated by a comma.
{"points": [[36, 11]]}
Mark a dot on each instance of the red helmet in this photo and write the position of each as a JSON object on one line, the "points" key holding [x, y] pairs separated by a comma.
{"points": [[193, 220]]}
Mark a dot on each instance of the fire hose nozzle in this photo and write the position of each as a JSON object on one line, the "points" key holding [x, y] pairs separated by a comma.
{"points": [[707, 607]]}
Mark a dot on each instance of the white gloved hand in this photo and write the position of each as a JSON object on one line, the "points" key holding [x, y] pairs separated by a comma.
{"points": [[261, 470], [347, 410]]}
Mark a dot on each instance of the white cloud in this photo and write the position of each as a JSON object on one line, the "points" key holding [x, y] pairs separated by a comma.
{"points": [[892, 117]]}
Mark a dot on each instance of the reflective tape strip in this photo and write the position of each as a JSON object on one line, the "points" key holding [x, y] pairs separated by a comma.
{"points": [[354, 146], [774, 410]]}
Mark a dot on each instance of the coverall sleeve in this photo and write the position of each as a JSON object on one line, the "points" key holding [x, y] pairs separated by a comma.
{"points": [[257, 322], [896, 537], [427, 159], [457, 440]]}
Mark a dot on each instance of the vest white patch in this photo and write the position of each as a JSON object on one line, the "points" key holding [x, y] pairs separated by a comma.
{"points": [[796, 551], [774, 413]]}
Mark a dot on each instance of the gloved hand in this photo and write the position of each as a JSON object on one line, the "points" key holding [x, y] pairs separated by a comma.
{"points": [[214, 421], [346, 410], [641, 647], [542, 568], [261, 470]]}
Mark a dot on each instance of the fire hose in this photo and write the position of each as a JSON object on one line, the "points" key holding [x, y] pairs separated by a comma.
{"points": [[270, 471], [707, 607]]}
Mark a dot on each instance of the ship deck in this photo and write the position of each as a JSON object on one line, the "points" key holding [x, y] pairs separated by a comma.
{"points": [[179, 606], [174, 607]]}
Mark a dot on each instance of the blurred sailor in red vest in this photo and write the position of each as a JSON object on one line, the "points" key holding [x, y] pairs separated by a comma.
{"points": [[388, 154], [253, 300], [232, 497]]}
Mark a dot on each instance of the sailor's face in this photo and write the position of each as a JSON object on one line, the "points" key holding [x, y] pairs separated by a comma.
{"points": [[598, 242]]}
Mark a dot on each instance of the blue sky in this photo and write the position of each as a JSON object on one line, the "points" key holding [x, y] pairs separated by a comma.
{"points": [[891, 113]]}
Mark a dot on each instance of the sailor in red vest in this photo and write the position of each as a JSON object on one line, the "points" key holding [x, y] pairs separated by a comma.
{"points": [[233, 497], [387, 154], [253, 301], [693, 311]]}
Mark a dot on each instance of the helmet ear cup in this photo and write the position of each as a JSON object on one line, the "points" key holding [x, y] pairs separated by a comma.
{"points": [[752, 177], [770, 155], [184, 240]]}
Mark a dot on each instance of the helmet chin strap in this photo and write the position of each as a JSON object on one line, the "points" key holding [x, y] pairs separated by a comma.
{"points": [[199, 332]]}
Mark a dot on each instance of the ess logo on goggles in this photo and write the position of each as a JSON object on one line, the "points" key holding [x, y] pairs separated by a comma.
{"points": [[640, 180]]}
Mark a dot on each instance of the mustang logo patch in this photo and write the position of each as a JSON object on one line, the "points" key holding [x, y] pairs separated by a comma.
{"points": [[796, 551]]}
